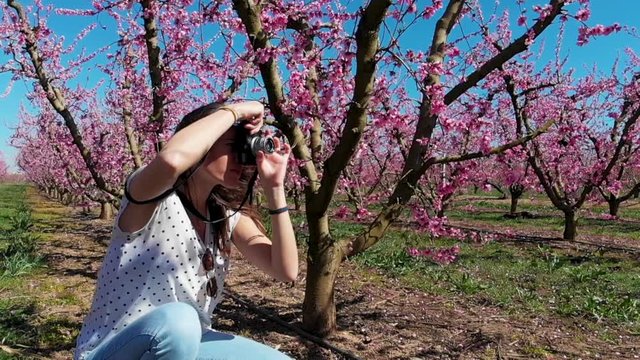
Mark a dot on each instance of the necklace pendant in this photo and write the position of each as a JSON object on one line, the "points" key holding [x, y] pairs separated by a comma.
{"points": [[207, 260], [212, 287]]}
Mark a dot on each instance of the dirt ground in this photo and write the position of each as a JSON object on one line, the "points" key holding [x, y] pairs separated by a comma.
{"points": [[378, 318]]}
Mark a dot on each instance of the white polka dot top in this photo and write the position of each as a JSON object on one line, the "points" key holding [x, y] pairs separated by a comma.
{"points": [[159, 264]]}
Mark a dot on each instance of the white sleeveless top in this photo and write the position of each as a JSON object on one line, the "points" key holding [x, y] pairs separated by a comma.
{"points": [[158, 264]]}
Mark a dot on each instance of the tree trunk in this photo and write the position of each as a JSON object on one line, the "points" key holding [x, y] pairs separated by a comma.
{"points": [[294, 194], [516, 191], [296, 200], [614, 206], [570, 223], [443, 207], [323, 261], [514, 204], [106, 211]]}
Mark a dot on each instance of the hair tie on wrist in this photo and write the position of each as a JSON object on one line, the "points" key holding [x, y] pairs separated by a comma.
{"points": [[278, 211], [235, 114]]}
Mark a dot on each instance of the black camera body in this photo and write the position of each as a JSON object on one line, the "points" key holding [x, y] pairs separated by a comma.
{"points": [[246, 145]]}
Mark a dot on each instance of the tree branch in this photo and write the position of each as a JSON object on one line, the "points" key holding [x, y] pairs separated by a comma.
{"points": [[518, 46], [405, 188], [522, 121], [367, 49], [127, 108], [155, 69], [624, 140], [56, 99], [311, 85], [494, 150], [249, 13], [426, 120]]}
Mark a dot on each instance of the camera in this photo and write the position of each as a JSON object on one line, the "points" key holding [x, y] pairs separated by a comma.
{"points": [[246, 145]]}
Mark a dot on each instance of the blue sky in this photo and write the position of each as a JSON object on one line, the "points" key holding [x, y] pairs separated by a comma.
{"points": [[600, 51]]}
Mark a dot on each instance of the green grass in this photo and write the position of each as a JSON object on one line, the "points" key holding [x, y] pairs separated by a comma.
{"points": [[18, 258], [11, 197], [18, 243], [610, 227], [22, 327], [525, 279], [550, 219], [18, 264], [522, 280], [16, 322], [540, 203]]}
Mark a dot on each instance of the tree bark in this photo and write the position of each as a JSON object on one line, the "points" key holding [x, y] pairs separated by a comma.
{"points": [[614, 205], [294, 194], [570, 225], [516, 191], [127, 113], [106, 211], [514, 204], [325, 255], [323, 261], [156, 67]]}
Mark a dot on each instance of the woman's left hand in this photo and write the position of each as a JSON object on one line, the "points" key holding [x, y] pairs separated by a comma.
{"points": [[272, 167]]}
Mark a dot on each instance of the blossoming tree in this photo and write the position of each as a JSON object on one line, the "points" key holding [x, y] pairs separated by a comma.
{"points": [[362, 105]]}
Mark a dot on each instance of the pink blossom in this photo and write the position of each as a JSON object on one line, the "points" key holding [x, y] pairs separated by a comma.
{"points": [[522, 20], [414, 252], [362, 214], [429, 11], [583, 14], [342, 212], [615, 187], [442, 256], [584, 33], [606, 216]]}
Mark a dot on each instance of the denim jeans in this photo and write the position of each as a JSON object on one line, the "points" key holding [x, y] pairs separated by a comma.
{"points": [[173, 332]]}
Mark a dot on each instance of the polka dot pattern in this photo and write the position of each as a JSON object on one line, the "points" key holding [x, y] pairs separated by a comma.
{"points": [[158, 264]]}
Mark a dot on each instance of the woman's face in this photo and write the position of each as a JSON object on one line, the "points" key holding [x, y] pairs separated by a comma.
{"points": [[221, 164]]}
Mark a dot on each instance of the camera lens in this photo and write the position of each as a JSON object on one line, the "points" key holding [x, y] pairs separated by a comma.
{"points": [[269, 146], [265, 144]]}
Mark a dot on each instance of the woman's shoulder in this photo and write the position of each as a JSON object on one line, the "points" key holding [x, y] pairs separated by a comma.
{"points": [[167, 209], [234, 217]]}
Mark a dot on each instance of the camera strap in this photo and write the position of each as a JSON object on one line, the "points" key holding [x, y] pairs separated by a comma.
{"points": [[139, 202], [168, 192], [193, 211], [186, 202]]}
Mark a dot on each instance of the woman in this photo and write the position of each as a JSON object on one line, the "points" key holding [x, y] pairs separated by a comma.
{"points": [[164, 270]]}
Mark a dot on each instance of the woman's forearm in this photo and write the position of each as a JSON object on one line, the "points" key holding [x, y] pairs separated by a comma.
{"points": [[284, 251], [191, 144]]}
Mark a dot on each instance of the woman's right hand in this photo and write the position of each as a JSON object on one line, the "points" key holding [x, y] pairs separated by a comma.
{"points": [[252, 112]]}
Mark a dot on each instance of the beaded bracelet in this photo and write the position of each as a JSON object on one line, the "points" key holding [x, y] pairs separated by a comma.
{"points": [[278, 211]]}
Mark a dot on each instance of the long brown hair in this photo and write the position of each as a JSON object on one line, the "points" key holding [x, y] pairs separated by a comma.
{"points": [[220, 199]]}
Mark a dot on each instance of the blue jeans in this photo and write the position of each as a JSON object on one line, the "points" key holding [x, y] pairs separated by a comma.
{"points": [[173, 332]]}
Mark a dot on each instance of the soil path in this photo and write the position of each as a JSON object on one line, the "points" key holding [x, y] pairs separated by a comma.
{"points": [[379, 318]]}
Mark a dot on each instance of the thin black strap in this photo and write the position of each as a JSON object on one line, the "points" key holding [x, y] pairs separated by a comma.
{"points": [[278, 211], [127, 194], [192, 209]]}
